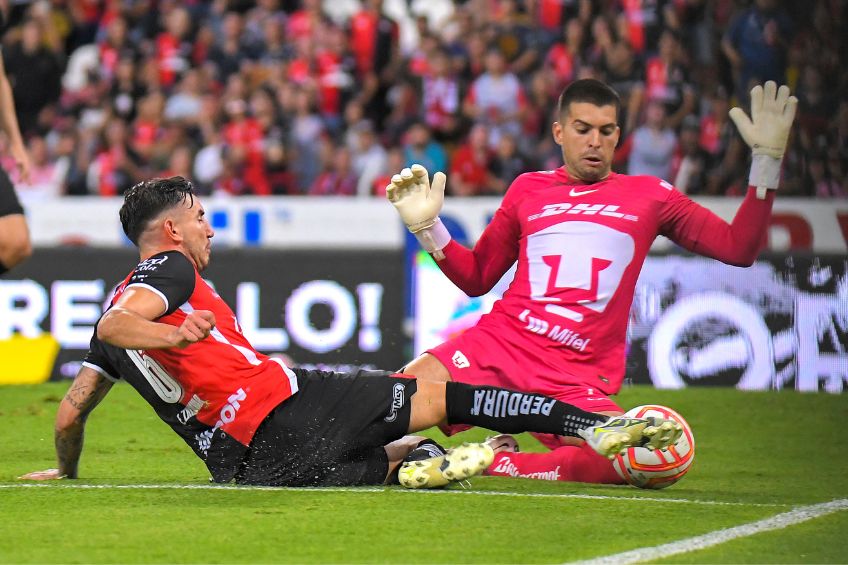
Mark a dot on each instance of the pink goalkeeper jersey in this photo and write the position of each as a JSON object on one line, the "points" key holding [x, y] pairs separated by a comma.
{"points": [[580, 248]]}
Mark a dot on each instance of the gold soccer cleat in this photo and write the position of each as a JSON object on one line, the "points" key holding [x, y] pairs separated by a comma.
{"points": [[618, 433], [457, 464]]}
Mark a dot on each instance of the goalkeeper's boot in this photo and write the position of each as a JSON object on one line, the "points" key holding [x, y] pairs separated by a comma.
{"points": [[620, 432], [457, 464]]}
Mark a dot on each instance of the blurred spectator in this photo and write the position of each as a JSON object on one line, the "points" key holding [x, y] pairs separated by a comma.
{"points": [[420, 148], [308, 21], [243, 139], [823, 182], [34, 72], [186, 101], [116, 166], [507, 163], [335, 69], [440, 97], [305, 136], [691, 162], [375, 43], [643, 21], [496, 99], [126, 90], [756, 44], [173, 47], [231, 50], [564, 58], [652, 145], [469, 171], [667, 80], [394, 164], [369, 158], [337, 177], [817, 104], [514, 37], [624, 74]]}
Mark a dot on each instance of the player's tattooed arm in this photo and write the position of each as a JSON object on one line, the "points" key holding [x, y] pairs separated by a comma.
{"points": [[86, 392]]}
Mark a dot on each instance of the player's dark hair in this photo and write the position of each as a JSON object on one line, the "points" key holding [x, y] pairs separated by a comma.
{"points": [[588, 90], [147, 199]]}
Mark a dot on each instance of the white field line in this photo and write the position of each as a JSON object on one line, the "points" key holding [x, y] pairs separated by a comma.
{"points": [[718, 537], [67, 485]]}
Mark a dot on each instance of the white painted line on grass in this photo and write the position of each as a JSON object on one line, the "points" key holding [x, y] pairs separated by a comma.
{"points": [[68, 485], [718, 537]]}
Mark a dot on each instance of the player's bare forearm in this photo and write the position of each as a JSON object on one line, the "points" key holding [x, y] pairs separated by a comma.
{"points": [[86, 392], [129, 330]]}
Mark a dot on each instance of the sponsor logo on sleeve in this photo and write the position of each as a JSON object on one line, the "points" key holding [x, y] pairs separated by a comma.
{"points": [[397, 402], [151, 264]]}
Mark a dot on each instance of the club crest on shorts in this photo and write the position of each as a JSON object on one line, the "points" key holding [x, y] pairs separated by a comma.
{"points": [[459, 359], [397, 402]]}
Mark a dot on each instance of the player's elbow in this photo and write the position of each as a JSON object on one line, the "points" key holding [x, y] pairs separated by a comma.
{"points": [[107, 327], [15, 250]]}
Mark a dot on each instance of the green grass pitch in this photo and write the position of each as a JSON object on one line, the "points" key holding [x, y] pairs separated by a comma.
{"points": [[144, 498]]}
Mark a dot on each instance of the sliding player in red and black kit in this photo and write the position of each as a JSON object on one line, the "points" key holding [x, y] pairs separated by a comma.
{"points": [[253, 420], [580, 235]]}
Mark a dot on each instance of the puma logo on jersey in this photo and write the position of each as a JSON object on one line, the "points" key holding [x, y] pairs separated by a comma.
{"points": [[585, 209], [460, 361]]}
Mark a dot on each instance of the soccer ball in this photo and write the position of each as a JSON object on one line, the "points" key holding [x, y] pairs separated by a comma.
{"points": [[644, 468]]}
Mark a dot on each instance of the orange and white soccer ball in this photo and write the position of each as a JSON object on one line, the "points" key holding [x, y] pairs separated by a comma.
{"points": [[657, 469]]}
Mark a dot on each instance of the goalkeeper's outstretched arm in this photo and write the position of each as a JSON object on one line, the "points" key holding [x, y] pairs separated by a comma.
{"points": [[86, 392], [418, 202]]}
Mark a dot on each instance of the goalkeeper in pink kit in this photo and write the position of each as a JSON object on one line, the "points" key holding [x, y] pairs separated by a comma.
{"points": [[579, 235]]}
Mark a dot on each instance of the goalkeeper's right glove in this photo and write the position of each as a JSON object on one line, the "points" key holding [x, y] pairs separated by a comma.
{"points": [[419, 203], [766, 132]]}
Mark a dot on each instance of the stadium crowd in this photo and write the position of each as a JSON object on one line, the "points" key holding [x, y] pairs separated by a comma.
{"points": [[309, 97]]}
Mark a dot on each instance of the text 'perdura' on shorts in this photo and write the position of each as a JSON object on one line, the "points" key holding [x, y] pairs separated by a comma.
{"points": [[331, 432]]}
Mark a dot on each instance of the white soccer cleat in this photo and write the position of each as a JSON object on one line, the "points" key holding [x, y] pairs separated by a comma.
{"points": [[457, 464], [618, 433]]}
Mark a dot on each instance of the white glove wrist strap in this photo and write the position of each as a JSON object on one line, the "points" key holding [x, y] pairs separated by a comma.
{"points": [[435, 238], [765, 173]]}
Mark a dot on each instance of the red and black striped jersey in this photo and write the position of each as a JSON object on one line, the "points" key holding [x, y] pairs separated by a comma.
{"points": [[213, 393]]}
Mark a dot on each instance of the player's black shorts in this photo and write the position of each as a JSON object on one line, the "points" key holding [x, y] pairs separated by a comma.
{"points": [[8, 199], [331, 432]]}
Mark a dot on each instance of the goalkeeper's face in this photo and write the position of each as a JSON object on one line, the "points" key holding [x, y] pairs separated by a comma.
{"points": [[588, 135]]}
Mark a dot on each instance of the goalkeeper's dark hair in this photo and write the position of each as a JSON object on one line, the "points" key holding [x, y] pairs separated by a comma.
{"points": [[588, 90], [149, 198]]}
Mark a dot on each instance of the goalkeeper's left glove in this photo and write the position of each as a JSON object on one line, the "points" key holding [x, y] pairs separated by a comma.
{"points": [[766, 132]]}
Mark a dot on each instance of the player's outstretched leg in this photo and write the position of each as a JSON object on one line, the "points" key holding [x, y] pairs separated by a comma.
{"points": [[457, 464], [619, 432]]}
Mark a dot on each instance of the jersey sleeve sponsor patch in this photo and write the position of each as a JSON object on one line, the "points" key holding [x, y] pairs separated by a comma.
{"points": [[170, 275]]}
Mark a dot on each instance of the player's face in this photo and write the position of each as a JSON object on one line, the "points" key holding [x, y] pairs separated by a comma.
{"points": [[196, 233], [588, 135]]}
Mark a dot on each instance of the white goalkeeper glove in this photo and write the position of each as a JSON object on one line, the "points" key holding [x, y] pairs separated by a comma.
{"points": [[766, 132], [419, 203]]}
